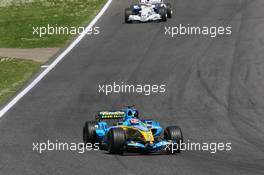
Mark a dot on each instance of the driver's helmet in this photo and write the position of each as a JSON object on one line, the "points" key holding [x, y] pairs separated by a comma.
{"points": [[132, 113]]}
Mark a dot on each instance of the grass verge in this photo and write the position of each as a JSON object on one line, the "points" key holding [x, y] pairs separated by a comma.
{"points": [[18, 17], [14, 74]]}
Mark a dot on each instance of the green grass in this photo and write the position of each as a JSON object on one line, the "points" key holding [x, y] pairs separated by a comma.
{"points": [[14, 74], [18, 19]]}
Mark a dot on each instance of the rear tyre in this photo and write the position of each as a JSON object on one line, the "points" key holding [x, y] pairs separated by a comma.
{"points": [[169, 10], [116, 140], [174, 133], [89, 134], [128, 12], [163, 13]]}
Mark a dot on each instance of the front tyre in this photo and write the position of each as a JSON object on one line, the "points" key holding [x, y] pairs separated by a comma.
{"points": [[116, 140], [174, 133], [128, 12], [163, 13], [89, 133], [168, 10]]}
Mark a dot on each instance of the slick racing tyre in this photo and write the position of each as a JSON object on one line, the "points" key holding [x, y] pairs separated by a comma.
{"points": [[89, 134], [174, 133], [169, 10], [128, 12], [116, 140], [163, 13]]}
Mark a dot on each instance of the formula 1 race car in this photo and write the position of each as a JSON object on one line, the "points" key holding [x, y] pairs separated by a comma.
{"points": [[148, 10], [122, 130]]}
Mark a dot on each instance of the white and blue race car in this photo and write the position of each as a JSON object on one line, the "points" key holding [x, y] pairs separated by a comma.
{"points": [[148, 10]]}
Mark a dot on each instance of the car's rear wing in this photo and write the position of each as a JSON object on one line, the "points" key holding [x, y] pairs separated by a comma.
{"points": [[105, 115]]}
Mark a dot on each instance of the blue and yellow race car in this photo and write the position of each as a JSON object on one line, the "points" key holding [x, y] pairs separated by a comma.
{"points": [[122, 130]]}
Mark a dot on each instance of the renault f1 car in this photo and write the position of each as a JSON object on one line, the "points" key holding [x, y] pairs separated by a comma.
{"points": [[148, 10], [122, 130]]}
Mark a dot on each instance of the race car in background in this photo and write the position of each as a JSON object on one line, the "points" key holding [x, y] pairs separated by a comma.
{"points": [[148, 10], [122, 130]]}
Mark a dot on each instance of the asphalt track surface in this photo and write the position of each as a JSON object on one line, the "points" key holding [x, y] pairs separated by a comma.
{"points": [[215, 92]]}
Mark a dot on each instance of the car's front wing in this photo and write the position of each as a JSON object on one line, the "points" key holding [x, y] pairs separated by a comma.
{"points": [[152, 17], [151, 147]]}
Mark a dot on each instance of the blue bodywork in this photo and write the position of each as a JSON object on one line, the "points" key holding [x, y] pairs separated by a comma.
{"points": [[129, 118]]}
